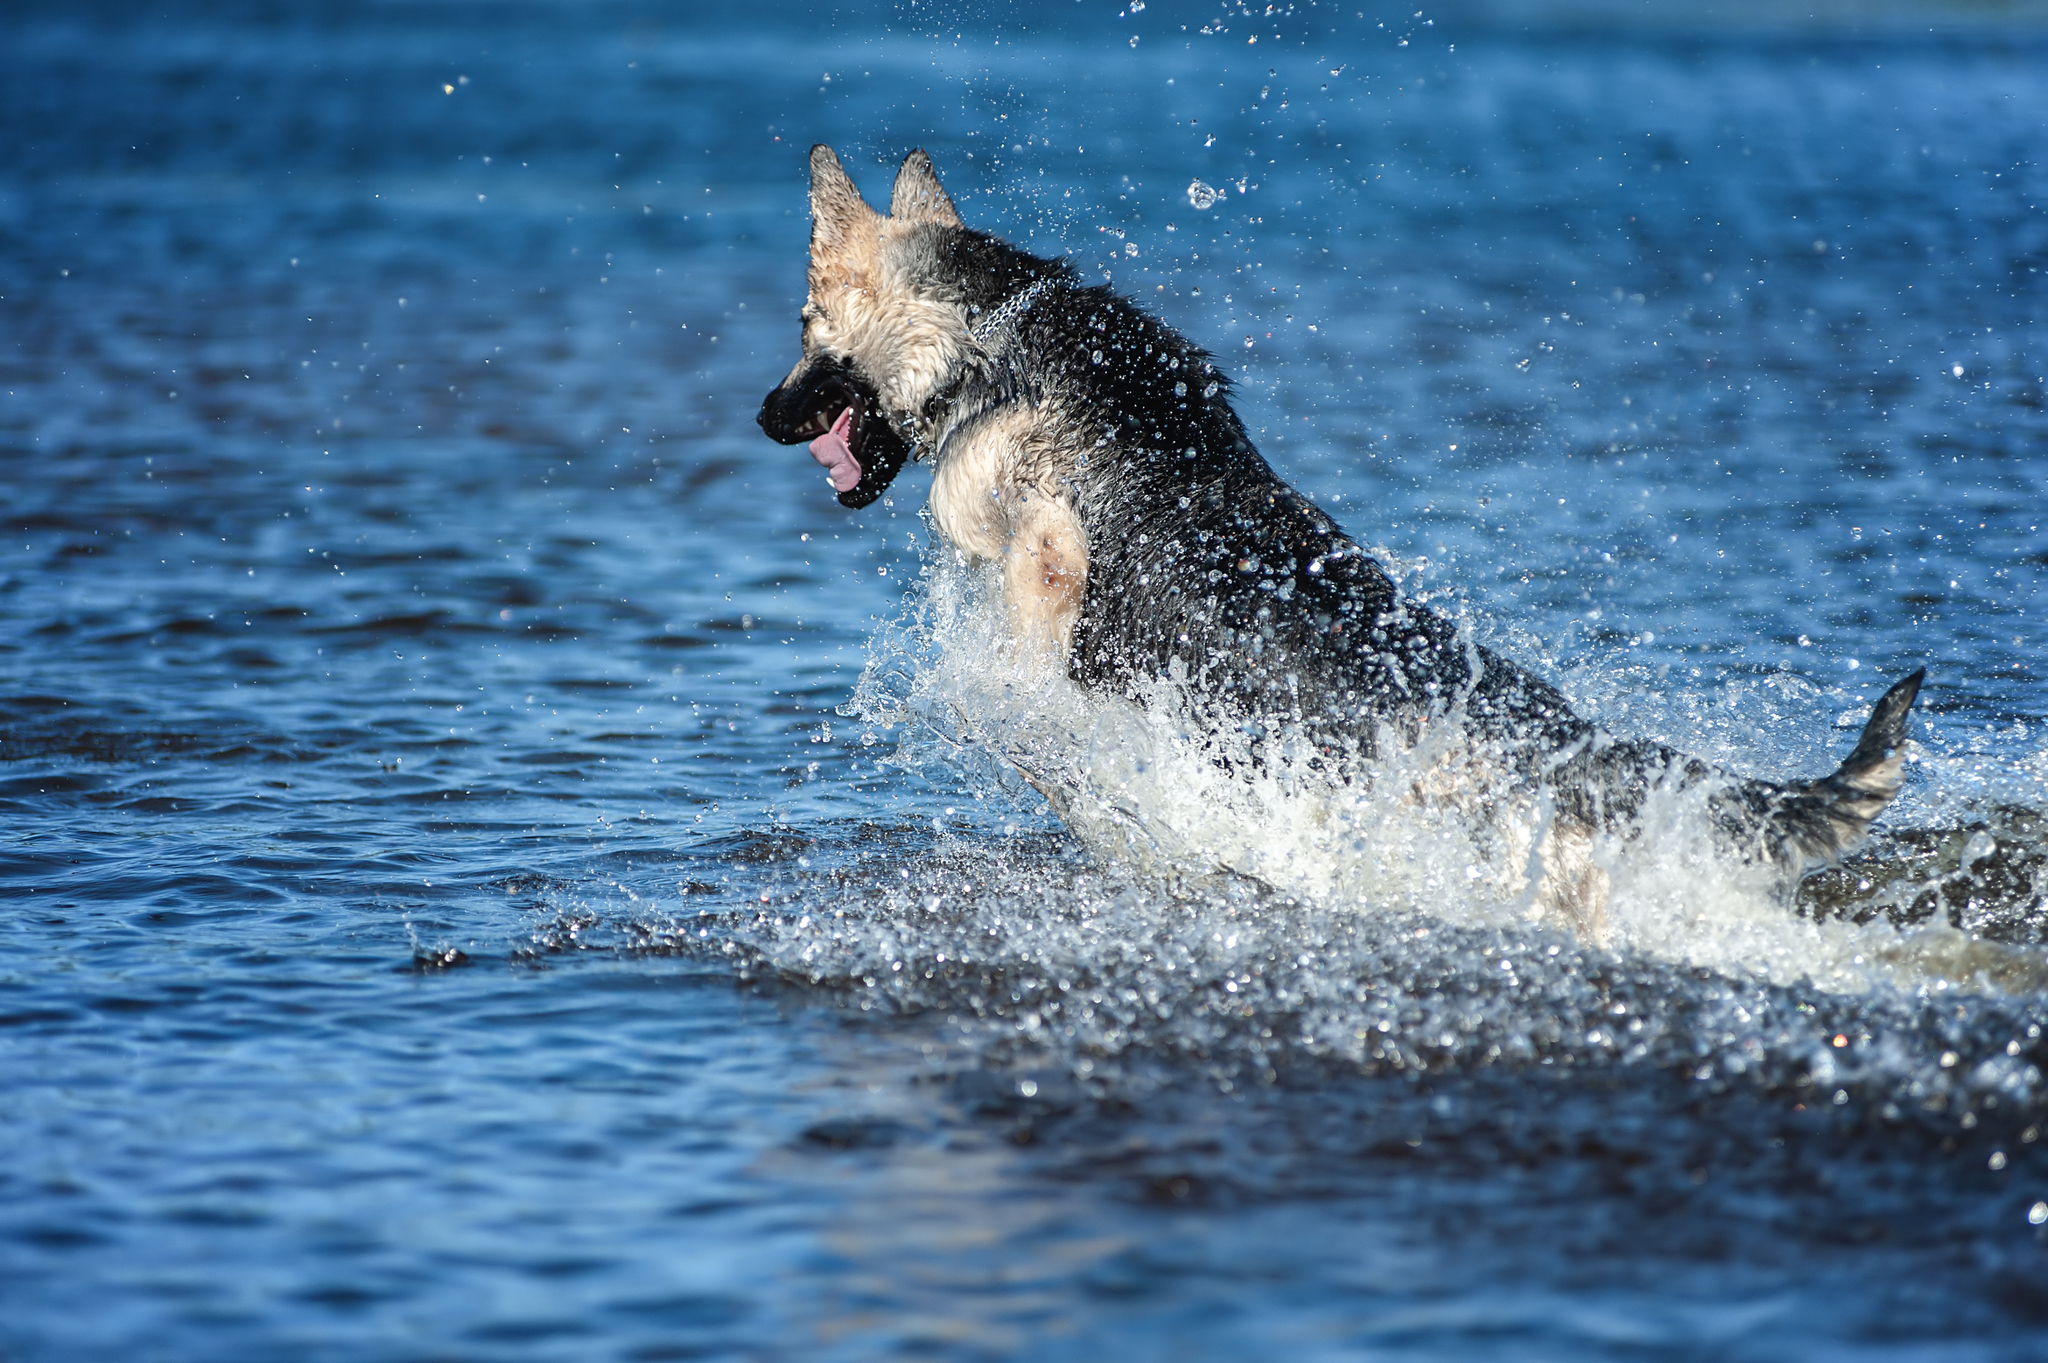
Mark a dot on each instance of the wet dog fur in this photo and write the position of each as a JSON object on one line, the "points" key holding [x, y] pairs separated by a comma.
{"points": [[1093, 452]]}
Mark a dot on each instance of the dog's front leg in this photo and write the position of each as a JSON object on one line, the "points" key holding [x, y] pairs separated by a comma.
{"points": [[1045, 574]]}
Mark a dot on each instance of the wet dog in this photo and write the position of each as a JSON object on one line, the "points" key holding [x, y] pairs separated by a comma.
{"points": [[1092, 452]]}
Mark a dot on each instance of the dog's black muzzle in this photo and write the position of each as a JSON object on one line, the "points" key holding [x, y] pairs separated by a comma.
{"points": [[801, 411]]}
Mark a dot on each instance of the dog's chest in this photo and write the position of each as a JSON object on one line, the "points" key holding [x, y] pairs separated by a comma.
{"points": [[981, 484]]}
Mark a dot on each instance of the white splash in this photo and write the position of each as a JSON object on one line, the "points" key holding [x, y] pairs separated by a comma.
{"points": [[1426, 831]]}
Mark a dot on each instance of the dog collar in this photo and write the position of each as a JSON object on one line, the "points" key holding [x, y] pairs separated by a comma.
{"points": [[1009, 310], [980, 330]]}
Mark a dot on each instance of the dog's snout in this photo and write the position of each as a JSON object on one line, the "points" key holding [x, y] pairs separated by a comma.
{"points": [[785, 416], [826, 400], [766, 416], [805, 405]]}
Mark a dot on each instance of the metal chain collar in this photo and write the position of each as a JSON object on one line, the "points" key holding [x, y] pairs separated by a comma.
{"points": [[1010, 309], [983, 327]]}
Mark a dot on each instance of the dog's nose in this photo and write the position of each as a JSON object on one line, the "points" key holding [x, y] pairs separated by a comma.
{"points": [[767, 417]]}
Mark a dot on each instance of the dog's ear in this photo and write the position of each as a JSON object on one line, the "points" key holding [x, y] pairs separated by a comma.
{"points": [[918, 196], [837, 209]]}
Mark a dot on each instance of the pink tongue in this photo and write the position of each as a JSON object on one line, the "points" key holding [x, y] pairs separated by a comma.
{"points": [[832, 450]]}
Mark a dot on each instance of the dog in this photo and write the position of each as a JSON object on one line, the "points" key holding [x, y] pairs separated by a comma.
{"points": [[1146, 546]]}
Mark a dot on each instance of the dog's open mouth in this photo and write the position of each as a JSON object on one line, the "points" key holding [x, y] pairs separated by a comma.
{"points": [[828, 409], [836, 402], [836, 441]]}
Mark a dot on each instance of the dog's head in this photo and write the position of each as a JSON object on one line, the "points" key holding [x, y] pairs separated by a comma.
{"points": [[881, 329]]}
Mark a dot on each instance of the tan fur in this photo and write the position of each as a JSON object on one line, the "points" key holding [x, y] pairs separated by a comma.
{"points": [[860, 304], [1045, 573], [918, 196], [978, 472], [989, 507], [840, 219], [858, 309], [995, 491]]}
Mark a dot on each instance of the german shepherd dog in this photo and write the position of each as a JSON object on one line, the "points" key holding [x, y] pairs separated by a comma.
{"points": [[1092, 452]]}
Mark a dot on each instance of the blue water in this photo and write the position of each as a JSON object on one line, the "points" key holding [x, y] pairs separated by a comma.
{"points": [[456, 908]]}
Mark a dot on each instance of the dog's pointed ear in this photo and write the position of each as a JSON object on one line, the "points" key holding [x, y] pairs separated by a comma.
{"points": [[837, 209], [918, 196]]}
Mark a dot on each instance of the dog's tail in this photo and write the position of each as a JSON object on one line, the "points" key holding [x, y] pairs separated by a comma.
{"points": [[1816, 821]]}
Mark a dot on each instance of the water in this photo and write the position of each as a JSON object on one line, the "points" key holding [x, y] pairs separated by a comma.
{"points": [[493, 870]]}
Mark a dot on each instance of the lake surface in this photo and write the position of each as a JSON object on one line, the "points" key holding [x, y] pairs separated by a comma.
{"points": [[485, 872]]}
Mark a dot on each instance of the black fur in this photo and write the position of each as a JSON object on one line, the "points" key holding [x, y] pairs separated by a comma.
{"points": [[830, 386]]}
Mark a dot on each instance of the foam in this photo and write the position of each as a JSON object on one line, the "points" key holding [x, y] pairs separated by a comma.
{"points": [[1143, 791]]}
